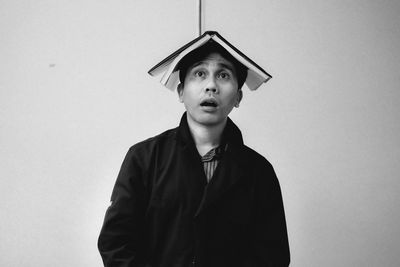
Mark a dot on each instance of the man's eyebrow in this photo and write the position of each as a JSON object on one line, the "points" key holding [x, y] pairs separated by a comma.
{"points": [[226, 66], [198, 63], [220, 64]]}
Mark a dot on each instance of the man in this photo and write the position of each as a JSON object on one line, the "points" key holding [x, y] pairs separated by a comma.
{"points": [[196, 195]]}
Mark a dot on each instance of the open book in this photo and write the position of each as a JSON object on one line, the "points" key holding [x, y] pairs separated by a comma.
{"points": [[255, 74]]}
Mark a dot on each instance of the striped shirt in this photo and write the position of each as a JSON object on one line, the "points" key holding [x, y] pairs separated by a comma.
{"points": [[210, 161]]}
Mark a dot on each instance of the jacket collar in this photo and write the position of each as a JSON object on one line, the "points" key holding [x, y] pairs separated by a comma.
{"points": [[232, 165]]}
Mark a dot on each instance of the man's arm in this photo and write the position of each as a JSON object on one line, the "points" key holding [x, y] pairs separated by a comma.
{"points": [[271, 246], [121, 236]]}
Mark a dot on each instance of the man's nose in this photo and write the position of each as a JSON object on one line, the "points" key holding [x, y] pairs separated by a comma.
{"points": [[211, 86]]}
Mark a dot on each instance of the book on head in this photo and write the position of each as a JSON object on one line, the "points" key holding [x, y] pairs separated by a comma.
{"points": [[255, 74]]}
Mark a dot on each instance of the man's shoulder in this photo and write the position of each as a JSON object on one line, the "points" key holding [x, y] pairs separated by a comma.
{"points": [[152, 142], [255, 158], [260, 167]]}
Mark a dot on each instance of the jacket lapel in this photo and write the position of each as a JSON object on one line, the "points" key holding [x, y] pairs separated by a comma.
{"points": [[228, 173], [191, 169]]}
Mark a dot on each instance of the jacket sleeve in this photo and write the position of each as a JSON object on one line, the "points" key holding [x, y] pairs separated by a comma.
{"points": [[121, 239], [271, 246]]}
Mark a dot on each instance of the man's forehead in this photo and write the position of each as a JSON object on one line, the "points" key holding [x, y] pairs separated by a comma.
{"points": [[214, 59]]}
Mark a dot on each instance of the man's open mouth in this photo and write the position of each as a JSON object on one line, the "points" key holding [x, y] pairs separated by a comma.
{"points": [[209, 103]]}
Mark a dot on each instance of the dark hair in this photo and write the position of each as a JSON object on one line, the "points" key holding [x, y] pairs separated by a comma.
{"points": [[205, 50]]}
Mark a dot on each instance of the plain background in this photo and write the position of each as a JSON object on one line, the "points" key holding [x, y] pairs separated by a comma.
{"points": [[75, 95]]}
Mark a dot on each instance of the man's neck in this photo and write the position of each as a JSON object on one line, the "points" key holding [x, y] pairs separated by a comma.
{"points": [[206, 137]]}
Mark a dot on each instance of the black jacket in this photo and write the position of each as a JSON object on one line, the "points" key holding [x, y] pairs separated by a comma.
{"points": [[163, 212]]}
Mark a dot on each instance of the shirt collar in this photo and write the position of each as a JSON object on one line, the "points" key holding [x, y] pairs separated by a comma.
{"points": [[213, 154]]}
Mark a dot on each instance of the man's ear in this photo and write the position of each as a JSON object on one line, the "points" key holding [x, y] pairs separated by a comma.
{"points": [[239, 98], [179, 89]]}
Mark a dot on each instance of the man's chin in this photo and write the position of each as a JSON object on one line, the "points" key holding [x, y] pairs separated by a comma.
{"points": [[210, 120]]}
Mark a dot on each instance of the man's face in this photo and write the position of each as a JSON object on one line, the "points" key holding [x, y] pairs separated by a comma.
{"points": [[210, 90]]}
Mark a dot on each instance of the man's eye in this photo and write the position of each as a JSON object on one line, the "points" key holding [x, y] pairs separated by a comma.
{"points": [[224, 75], [199, 73]]}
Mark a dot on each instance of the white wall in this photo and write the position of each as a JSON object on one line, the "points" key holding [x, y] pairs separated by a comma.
{"points": [[74, 95]]}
